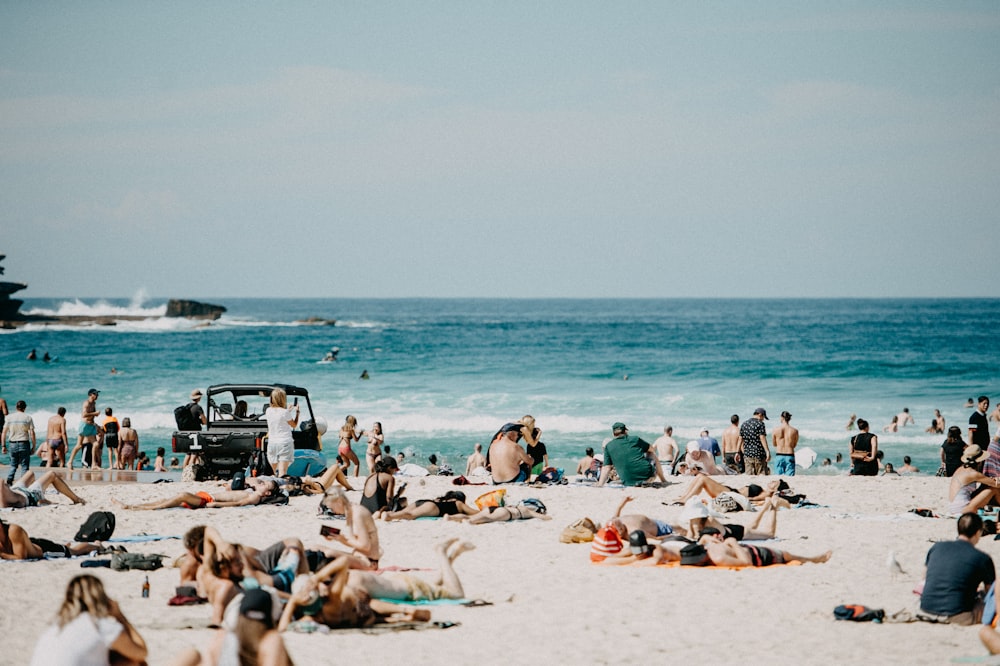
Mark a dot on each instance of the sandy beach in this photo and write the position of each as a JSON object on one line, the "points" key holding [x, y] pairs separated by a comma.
{"points": [[549, 603]]}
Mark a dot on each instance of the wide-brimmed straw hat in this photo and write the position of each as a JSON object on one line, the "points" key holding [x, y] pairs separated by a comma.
{"points": [[973, 453]]}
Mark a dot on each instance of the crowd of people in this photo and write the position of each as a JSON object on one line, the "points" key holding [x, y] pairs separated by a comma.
{"points": [[255, 594]]}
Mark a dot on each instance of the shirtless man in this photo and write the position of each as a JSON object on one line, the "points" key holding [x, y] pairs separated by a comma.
{"points": [[87, 429], [348, 596], [785, 439], [215, 566], [256, 491], [651, 527], [15, 544], [904, 418], [361, 535], [475, 461], [666, 448], [731, 444], [57, 438], [509, 463], [27, 491]]}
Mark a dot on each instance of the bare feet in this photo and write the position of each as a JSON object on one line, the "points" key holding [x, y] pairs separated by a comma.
{"points": [[459, 548]]}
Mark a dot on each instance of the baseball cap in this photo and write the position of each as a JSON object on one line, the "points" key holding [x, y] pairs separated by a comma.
{"points": [[257, 605], [93, 391], [618, 425], [694, 554], [762, 412], [637, 543]]}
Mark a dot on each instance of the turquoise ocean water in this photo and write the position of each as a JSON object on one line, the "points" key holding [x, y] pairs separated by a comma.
{"points": [[446, 373]]}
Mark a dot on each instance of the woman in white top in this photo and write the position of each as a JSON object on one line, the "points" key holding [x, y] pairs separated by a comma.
{"points": [[88, 627], [281, 419]]}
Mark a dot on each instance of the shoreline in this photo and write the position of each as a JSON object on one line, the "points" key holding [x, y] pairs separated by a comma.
{"points": [[548, 593]]}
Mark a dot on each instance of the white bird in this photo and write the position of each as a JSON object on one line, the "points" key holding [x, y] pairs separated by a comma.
{"points": [[893, 564]]}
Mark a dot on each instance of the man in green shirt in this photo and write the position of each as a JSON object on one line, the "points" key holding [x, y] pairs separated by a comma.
{"points": [[631, 457]]}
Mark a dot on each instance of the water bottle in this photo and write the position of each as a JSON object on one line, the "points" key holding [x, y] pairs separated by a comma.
{"points": [[145, 588]]}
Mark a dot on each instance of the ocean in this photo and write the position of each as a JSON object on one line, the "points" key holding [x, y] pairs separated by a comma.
{"points": [[447, 373]]}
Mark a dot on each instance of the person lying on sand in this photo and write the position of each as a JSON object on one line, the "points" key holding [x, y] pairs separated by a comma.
{"points": [[752, 492], [653, 528], [711, 549], [257, 490], [340, 595], [702, 520], [452, 503], [525, 510], [27, 491], [15, 544]]}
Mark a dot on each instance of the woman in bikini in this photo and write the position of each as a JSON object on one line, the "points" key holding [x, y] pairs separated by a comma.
{"points": [[970, 489], [349, 434], [452, 503], [128, 445], [374, 451], [380, 486]]}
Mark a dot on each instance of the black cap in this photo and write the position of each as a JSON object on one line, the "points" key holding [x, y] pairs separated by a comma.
{"points": [[257, 605], [93, 391], [694, 554]]}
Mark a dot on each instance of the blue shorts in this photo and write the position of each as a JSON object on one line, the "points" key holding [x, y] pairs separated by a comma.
{"points": [[87, 429], [784, 464], [663, 528]]}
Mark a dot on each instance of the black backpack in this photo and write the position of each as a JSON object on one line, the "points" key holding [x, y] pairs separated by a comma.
{"points": [[259, 466], [99, 526], [186, 420]]}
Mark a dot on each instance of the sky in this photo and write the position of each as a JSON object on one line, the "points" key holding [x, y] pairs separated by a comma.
{"points": [[500, 149]]}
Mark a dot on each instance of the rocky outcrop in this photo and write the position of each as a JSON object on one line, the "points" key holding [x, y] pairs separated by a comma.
{"points": [[193, 309]]}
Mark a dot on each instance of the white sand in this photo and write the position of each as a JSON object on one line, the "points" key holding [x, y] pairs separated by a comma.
{"points": [[550, 604]]}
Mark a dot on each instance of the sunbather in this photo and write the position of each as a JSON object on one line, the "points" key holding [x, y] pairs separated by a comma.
{"points": [[362, 535], [340, 595], [253, 494], [450, 504], [702, 520], [731, 553], [504, 514], [15, 544], [653, 528], [27, 491]]}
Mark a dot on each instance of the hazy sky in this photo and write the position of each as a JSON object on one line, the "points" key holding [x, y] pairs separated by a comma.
{"points": [[500, 149]]}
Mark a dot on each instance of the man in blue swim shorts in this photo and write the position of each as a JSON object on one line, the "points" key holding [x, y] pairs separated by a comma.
{"points": [[785, 439], [87, 431], [653, 528]]}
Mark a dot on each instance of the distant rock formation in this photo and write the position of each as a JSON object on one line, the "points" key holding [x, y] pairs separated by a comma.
{"points": [[9, 307], [193, 309]]}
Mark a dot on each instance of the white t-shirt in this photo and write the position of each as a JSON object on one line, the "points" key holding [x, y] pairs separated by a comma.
{"points": [[278, 430], [19, 427], [82, 642]]}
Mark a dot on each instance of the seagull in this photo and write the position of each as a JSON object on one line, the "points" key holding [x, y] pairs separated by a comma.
{"points": [[893, 564]]}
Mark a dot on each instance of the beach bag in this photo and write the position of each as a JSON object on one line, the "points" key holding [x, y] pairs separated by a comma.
{"points": [[99, 526], [185, 419], [582, 531], [726, 503], [858, 613], [492, 498], [605, 543], [136, 561]]}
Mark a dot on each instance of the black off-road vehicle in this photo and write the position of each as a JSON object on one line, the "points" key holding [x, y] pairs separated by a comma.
{"points": [[236, 427]]}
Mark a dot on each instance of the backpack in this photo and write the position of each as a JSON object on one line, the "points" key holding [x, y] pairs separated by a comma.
{"points": [[858, 613], [259, 466], [186, 420], [100, 525], [535, 504], [140, 561]]}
